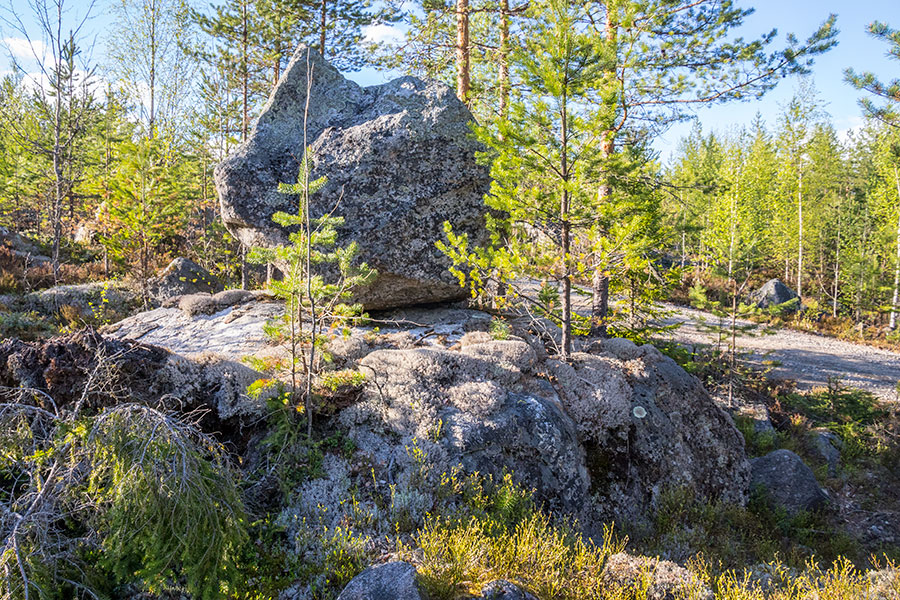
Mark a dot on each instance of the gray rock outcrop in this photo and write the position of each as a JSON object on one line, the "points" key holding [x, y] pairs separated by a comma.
{"points": [[103, 301], [183, 276], [60, 367], [399, 160], [233, 332], [621, 427], [774, 293], [646, 426], [788, 482], [604, 434], [475, 411], [390, 581]]}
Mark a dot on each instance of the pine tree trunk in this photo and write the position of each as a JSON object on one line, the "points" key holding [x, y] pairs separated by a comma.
{"points": [[895, 306], [153, 48], [837, 269], [462, 51], [600, 279], [564, 218], [245, 72], [800, 236], [245, 85], [323, 22], [503, 68]]}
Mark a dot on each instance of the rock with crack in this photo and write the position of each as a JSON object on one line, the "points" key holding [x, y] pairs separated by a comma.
{"points": [[475, 409], [621, 427], [399, 159]]}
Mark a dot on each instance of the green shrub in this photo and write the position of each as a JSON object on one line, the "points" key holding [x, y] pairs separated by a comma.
{"points": [[127, 496]]}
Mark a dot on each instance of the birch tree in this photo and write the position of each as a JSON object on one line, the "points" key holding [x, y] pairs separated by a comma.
{"points": [[61, 92]]}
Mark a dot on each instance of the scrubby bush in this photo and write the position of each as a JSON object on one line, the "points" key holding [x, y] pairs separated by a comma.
{"points": [[130, 495]]}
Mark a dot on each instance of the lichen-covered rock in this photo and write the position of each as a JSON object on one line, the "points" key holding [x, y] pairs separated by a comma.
{"points": [[399, 160], [390, 581], [662, 580], [183, 276], [480, 412], [209, 304], [103, 300], [788, 482], [647, 426], [504, 590], [64, 367]]}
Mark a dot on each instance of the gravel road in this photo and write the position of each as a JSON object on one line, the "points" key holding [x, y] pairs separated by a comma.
{"points": [[806, 358]]}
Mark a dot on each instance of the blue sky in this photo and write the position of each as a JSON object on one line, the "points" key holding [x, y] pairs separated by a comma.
{"points": [[856, 48]]}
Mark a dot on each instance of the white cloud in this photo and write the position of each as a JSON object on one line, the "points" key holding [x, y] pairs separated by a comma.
{"points": [[22, 48], [381, 33]]}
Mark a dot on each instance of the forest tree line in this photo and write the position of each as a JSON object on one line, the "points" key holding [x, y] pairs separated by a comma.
{"points": [[795, 201]]}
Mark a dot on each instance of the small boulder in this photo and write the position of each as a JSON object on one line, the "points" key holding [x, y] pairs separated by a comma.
{"points": [[775, 293], [788, 482], [826, 447], [390, 581], [206, 304], [504, 590], [183, 276]]}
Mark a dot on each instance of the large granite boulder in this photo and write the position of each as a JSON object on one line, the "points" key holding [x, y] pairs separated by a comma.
{"points": [[614, 430], [399, 159]]}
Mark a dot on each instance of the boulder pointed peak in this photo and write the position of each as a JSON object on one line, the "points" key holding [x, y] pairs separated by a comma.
{"points": [[331, 94]]}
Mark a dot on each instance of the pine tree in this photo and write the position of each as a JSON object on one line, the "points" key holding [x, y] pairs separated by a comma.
{"points": [[311, 297], [886, 91], [146, 207], [147, 56], [670, 56], [542, 155]]}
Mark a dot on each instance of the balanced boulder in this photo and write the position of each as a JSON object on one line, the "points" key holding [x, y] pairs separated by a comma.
{"points": [[399, 162]]}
